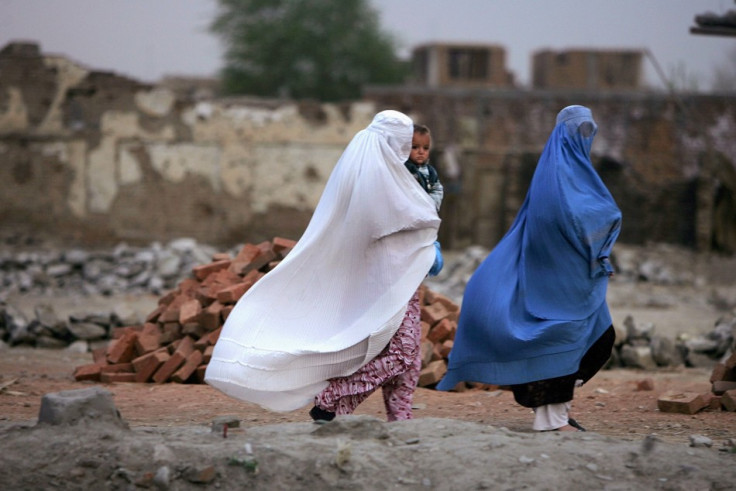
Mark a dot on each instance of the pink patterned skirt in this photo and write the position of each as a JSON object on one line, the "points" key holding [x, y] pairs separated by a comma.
{"points": [[396, 370]]}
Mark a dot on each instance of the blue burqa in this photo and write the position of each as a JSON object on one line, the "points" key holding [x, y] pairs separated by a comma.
{"points": [[537, 302]]}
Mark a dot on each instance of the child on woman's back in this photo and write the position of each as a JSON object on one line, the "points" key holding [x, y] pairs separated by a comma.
{"points": [[418, 164]]}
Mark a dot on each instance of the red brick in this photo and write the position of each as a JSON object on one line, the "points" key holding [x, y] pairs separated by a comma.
{"points": [[149, 339], [208, 339], [187, 369], [721, 386], [211, 317], [719, 372], [91, 371], [118, 368], [282, 246], [169, 367], [681, 402], [109, 378], [165, 300], [432, 374], [246, 254], [434, 313], [207, 354], [99, 356], [728, 400], [424, 326], [442, 331], [199, 373], [123, 349], [189, 311], [426, 352], [145, 366], [155, 314], [256, 263], [193, 329], [645, 384], [203, 271], [118, 332], [445, 348], [170, 332], [731, 361], [231, 294]]}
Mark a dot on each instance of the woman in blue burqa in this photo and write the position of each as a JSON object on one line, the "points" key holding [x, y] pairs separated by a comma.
{"points": [[534, 314]]}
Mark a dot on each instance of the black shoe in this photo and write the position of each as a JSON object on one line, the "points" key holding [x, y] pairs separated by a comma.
{"points": [[575, 424], [319, 414]]}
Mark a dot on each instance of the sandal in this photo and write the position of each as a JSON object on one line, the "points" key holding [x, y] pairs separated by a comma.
{"points": [[575, 424]]}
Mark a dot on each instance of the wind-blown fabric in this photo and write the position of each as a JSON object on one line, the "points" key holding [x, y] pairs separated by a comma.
{"points": [[335, 301], [537, 302]]}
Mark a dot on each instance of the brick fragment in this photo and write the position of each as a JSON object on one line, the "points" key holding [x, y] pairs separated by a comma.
{"points": [[728, 400], [145, 366], [208, 339], [187, 369], [645, 384], [221, 256], [731, 362], [432, 373], [167, 368], [721, 386], [434, 313], [231, 294], [170, 332], [149, 339], [443, 330], [117, 368], [189, 311], [90, 371], [426, 352], [211, 317], [207, 354], [122, 350], [204, 270], [681, 402], [445, 348], [282, 246], [719, 372], [193, 329]]}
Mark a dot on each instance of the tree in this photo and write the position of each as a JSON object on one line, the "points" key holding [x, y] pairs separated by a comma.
{"points": [[322, 49]]}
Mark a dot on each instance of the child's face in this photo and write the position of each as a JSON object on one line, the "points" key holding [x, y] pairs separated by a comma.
{"points": [[420, 148]]}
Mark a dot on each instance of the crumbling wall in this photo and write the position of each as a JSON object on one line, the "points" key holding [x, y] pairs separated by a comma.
{"points": [[668, 160], [95, 157]]}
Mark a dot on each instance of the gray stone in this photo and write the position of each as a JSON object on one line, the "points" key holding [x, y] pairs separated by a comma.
{"points": [[87, 331], [664, 352], [637, 357], [71, 407]]}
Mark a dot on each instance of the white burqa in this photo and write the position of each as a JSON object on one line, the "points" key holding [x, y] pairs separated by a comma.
{"points": [[335, 301]]}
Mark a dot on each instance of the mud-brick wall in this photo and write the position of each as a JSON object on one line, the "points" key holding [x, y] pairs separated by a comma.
{"points": [[95, 157], [670, 161]]}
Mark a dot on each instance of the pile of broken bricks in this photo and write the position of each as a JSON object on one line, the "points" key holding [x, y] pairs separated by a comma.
{"points": [[176, 341], [721, 397]]}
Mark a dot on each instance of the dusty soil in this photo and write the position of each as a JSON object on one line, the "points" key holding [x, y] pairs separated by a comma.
{"points": [[471, 440]]}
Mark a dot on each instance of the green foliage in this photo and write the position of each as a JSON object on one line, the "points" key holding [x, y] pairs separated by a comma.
{"points": [[249, 464], [321, 49]]}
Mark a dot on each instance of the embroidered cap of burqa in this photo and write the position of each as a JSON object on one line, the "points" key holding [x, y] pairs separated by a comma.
{"points": [[538, 301], [337, 298]]}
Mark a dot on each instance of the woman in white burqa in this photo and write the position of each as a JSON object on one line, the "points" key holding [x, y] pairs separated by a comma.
{"points": [[323, 327]]}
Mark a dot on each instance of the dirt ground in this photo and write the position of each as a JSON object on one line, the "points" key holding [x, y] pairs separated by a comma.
{"points": [[471, 440]]}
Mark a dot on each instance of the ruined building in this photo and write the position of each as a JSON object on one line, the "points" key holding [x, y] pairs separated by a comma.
{"points": [[94, 157]]}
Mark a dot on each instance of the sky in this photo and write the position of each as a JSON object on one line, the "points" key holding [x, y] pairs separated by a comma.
{"points": [[148, 39]]}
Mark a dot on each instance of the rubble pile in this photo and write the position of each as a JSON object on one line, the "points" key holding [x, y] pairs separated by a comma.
{"points": [[175, 342], [124, 269], [199, 286]]}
